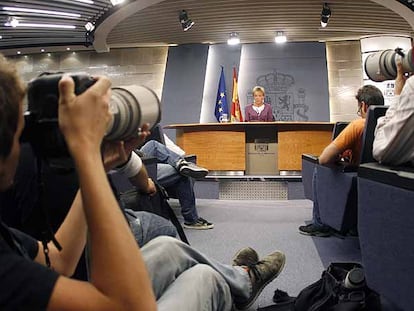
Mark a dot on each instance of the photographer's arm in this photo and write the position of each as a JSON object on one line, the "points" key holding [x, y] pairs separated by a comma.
{"points": [[120, 155], [329, 155], [119, 280], [66, 260], [141, 179]]}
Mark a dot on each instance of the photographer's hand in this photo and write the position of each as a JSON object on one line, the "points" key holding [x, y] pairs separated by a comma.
{"points": [[135, 142], [114, 155], [400, 79], [84, 119]]}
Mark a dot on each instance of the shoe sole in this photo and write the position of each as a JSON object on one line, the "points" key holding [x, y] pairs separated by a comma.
{"points": [[263, 286], [193, 173], [198, 228], [319, 234]]}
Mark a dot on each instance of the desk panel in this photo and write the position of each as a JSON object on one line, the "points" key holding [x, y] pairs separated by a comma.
{"points": [[215, 150], [292, 144]]}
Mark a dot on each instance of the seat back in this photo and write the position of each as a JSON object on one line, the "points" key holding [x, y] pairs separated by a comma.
{"points": [[374, 112], [338, 128]]}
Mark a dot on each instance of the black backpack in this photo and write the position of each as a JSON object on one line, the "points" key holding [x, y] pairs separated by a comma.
{"points": [[334, 291], [157, 204]]}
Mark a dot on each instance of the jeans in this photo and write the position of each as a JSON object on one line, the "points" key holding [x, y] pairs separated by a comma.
{"points": [[316, 218], [184, 279], [157, 150], [169, 177], [146, 226]]}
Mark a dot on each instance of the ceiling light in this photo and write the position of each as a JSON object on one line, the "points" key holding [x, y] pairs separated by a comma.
{"points": [[46, 25], [280, 37], [116, 2], [18, 52], [89, 26], [11, 22], [27, 10], [42, 50], [325, 15], [185, 21], [233, 39], [85, 1]]}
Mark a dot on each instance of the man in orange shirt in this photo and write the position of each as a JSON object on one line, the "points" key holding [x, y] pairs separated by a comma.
{"points": [[349, 141]]}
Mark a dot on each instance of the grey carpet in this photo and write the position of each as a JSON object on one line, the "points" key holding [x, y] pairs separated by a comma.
{"points": [[268, 226]]}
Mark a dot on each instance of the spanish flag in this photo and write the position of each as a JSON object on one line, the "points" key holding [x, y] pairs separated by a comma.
{"points": [[236, 115]]}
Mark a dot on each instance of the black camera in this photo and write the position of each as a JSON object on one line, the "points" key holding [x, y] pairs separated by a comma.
{"points": [[131, 107], [382, 65]]}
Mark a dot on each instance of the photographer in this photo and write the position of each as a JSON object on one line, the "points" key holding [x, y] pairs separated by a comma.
{"points": [[83, 121], [349, 141], [119, 277], [394, 143]]}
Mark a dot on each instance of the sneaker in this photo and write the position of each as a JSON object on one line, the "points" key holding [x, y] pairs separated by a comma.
{"points": [[191, 170], [314, 230], [262, 273], [247, 256], [200, 224]]}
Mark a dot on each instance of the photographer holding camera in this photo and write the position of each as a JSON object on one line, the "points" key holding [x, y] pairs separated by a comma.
{"points": [[120, 279], [394, 143]]}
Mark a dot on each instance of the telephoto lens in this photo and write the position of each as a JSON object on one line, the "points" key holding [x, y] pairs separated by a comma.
{"points": [[382, 65], [355, 278], [131, 107]]}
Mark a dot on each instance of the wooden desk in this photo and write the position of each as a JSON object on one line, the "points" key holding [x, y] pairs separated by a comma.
{"points": [[222, 146]]}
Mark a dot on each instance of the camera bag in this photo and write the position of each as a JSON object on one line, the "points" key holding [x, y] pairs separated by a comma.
{"points": [[329, 293]]}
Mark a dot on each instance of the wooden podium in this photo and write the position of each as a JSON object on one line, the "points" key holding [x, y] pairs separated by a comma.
{"points": [[222, 146]]}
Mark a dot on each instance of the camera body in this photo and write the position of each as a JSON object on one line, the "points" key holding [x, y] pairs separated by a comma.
{"points": [[130, 107], [382, 65]]}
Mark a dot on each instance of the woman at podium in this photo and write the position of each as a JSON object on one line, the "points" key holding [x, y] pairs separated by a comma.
{"points": [[258, 111]]}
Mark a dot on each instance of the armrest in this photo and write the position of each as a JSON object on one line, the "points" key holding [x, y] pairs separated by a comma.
{"points": [[310, 157]]}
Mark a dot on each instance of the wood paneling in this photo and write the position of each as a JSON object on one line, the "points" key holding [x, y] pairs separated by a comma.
{"points": [[215, 150], [292, 144]]}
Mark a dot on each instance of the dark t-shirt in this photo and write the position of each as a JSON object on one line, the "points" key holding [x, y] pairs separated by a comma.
{"points": [[24, 284]]}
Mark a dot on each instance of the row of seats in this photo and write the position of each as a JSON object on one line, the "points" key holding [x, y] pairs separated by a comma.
{"points": [[377, 201]]}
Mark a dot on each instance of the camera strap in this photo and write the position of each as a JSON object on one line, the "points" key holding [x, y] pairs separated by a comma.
{"points": [[47, 234]]}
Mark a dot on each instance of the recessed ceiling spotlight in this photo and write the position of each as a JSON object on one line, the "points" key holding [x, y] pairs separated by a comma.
{"points": [[18, 52], [185, 21], [67, 49], [280, 37], [42, 50], [233, 39], [11, 22], [325, 15], [89, 26]]}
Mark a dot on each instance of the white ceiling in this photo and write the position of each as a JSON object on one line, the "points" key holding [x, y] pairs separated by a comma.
{"points": [[155, 22]]}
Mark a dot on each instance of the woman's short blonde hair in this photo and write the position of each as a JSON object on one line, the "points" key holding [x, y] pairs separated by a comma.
{"points": [[258, 88]]}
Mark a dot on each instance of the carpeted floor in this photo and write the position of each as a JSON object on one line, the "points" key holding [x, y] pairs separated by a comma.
{"points": [[268, 226]]}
